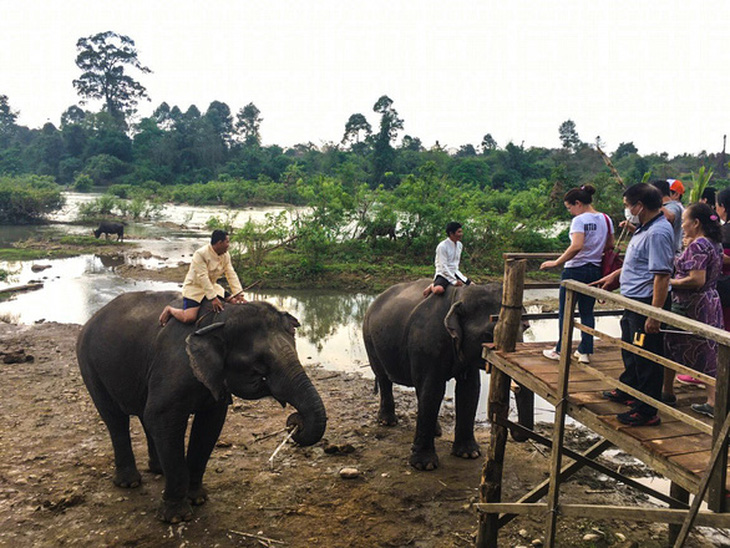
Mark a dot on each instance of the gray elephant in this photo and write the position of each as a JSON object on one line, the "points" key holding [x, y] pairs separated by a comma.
{"points": [[131, 366], [424, 342]]}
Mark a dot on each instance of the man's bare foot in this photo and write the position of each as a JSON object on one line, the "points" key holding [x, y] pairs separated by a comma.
{"points": [[165, 316], [427, 291]]}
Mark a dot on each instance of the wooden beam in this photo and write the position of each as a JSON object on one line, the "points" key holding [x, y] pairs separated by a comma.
{"points": [[693, 422], [666, 362], [682, 322], [566, 343], [719, 449], [598, 512], [567, 472], [722, 408], [506, 334]]}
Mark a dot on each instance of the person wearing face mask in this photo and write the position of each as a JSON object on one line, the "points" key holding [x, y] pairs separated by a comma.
{"points": [[591, 233], [644, 277]]}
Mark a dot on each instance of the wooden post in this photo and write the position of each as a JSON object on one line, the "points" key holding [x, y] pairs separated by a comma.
{"points": [[506, 333], [680, 493], [566, 345], [525, 401], [716, 500]]}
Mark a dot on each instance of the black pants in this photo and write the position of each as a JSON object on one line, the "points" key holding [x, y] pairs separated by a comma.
{"points": [[640, 373]]}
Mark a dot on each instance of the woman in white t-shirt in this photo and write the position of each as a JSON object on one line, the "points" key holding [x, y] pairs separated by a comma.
{"points": [[591, 233]]}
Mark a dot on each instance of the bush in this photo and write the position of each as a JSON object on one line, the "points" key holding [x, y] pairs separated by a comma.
{"points": [[27, 199]]}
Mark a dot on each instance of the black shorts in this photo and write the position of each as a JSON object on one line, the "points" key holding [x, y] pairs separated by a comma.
{"points": [[190, 303], [443, 282]]}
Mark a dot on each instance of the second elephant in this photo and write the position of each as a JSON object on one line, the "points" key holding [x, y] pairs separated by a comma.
{"points": [[424, 342]]}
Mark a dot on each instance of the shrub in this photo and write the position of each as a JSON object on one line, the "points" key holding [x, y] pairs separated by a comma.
{"points": [[27, 199]]}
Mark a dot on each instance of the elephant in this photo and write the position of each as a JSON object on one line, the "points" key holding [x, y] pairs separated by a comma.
{"points": [[423, 342], [131, 366]]}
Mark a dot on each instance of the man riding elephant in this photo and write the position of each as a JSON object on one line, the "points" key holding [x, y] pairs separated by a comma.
{"points": [[209, 263]]}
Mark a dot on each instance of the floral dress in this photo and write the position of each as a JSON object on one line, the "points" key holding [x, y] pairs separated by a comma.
{"points": [[701, 304]]}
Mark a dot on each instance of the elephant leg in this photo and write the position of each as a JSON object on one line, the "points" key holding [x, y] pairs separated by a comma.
{"points": [[153, 461], [423, 452], [386, 413], [204, 434], [467, 399], [168, 435], [117, 422]]}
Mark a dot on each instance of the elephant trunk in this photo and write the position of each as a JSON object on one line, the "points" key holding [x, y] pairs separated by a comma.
{"points": [[311, 417]]}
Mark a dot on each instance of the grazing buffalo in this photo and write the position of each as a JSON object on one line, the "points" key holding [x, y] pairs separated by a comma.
{"points": [[108, 227]]}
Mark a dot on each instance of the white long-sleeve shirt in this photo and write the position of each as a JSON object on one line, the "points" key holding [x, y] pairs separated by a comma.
{"points": [[448, 255]]}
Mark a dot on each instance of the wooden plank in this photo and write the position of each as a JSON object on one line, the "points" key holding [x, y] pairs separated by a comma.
{"points": [[623, 513], [678, 446], [694, 462], [717, 499]]}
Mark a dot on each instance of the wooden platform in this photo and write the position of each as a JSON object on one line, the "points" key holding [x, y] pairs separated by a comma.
{"points": [[678, 451]]}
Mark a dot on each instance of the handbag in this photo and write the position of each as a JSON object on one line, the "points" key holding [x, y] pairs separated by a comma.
{"points": [[611, 260]]}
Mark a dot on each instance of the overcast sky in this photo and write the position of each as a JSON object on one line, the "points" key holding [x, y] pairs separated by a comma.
{"points": [[652, 72]]}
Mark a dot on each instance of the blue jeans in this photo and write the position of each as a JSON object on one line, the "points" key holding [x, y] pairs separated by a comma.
{"points": [[587, 273]]}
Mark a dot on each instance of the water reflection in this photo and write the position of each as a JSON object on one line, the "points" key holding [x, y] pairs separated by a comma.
{"points": [[331, 321]]}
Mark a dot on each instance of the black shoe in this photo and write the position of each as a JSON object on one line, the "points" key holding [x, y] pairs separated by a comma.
{"points": [[619, 397], [634, 418], [669, 399]]}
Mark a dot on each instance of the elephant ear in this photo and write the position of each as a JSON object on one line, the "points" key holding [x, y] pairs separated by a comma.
{"points": [[206, 354], [291, 323], [452, 323]]}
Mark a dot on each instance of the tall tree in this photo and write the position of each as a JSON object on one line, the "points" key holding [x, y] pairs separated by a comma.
{"points": [[488, 143], [248, 124], [102, 59], [7, 118], [356, 125], [383, 153], [569, 135]]}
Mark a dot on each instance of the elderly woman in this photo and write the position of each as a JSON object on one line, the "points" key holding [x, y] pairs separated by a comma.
{"points": [[694, 295]]}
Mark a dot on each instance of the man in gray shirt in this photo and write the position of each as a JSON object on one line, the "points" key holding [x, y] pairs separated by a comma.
{"points": [[648, 264]]}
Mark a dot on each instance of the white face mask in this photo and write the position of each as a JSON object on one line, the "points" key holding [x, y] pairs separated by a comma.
{"points": [[633, 219]]}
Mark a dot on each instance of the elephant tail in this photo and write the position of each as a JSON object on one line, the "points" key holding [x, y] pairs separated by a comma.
{"points": [[375, 387]]}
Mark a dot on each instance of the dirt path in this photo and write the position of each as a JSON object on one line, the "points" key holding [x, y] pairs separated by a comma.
{"points": [[56, 463]]}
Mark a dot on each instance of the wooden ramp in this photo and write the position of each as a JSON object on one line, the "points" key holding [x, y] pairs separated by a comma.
{"points": [[676, 450], [688, 449]]}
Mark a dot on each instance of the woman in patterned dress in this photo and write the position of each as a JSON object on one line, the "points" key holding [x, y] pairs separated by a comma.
{"points": [[694, 295]]}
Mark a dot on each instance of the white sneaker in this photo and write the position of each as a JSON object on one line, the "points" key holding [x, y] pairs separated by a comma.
{"points": [[551, 354], [582, 358]]}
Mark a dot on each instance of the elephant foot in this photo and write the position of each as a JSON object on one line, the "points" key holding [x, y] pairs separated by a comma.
{"points": [[387, 418], [197, 496], [424, 460], [466, 450], [175, 511], [128, 479]]}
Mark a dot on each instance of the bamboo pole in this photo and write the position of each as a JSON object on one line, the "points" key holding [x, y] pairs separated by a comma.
{"points": [[566, 344], [716, 501], [506, 334]]}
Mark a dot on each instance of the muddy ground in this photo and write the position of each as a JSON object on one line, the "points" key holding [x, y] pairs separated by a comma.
{"points": [[56, 464]]}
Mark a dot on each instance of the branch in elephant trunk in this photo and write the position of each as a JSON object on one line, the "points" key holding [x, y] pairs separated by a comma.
{"points": [[286, 439]]}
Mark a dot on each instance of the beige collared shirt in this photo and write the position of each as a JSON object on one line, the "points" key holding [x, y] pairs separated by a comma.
{"points": [[205, 271]]}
